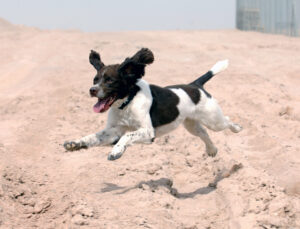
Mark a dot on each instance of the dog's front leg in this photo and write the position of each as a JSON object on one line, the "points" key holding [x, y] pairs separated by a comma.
{"points": [[141, 135], [104, 137]]}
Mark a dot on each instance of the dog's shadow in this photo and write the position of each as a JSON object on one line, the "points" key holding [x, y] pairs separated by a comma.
{"points": [[167, 184], [154, 185]]}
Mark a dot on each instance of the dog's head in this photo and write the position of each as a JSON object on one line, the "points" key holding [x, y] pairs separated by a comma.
{"points": [[114, 82]]}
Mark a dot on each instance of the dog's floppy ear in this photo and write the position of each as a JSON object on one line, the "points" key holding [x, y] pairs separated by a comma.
{"points": [[144, 56], [134, 67], [95, 60]]}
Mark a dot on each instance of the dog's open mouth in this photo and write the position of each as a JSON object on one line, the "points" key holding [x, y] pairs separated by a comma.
{"points": [[104, 104]]}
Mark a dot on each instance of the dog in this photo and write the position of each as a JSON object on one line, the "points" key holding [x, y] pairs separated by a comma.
{"points": [[140, 112]]}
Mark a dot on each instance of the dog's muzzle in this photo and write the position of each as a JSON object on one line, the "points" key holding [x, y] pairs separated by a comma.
{"points": [[94, 91]]}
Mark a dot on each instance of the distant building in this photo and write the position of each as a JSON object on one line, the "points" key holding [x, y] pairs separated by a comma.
{"points": [[269, 16]]}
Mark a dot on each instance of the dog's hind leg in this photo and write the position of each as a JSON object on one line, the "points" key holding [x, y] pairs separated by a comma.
{"points": [[221, 122], [213, 118], [104, 137], [195, 128]]}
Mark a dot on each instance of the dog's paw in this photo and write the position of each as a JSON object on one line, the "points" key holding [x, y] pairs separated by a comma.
{"points": [[116, 152], [72, 145], [211, 151], [235, 128], [112, 157]]}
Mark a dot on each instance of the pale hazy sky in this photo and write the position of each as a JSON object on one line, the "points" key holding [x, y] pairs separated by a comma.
{"points": [[114, 15]]}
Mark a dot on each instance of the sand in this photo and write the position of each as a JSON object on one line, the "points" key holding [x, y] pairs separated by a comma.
{"points": [[253, 182]]}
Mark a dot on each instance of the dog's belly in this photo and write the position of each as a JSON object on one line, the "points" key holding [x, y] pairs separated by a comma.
{"points": [[164, 129]]}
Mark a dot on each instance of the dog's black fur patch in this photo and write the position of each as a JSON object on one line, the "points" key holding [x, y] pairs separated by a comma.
{"points": [[192, 91], [164, 106], [131, 95]]}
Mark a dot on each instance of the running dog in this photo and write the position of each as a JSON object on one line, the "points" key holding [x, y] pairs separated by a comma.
{"points": [[140, 112]]}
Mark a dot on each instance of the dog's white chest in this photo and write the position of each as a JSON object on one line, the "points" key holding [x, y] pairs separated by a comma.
{"points": [[126, 117], [136, 114]]}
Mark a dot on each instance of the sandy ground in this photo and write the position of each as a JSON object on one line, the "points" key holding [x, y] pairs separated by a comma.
{"points": [[253, 182]]}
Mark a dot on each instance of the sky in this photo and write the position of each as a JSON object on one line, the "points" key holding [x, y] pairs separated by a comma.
{"points": [[120, 15]]}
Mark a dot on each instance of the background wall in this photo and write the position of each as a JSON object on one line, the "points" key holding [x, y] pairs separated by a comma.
{"points": [[270, 16]]}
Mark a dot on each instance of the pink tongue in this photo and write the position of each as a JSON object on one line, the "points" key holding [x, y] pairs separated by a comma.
{"points": [[100, 106]]}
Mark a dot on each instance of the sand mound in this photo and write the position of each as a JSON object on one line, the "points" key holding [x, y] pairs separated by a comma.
{"points": [[4, 25], [253, 182]]}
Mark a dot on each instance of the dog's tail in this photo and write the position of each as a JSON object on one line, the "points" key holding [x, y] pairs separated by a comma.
{"points": [[218, 67]]}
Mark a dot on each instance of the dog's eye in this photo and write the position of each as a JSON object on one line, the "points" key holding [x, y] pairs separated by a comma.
{"points": [[96, 79], [108, 80]]}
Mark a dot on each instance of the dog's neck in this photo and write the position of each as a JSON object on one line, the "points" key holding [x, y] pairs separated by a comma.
{"points": [[133, 91], [122, 103]]}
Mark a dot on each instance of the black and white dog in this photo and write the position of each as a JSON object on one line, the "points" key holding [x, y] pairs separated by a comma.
{"points": [[140, 112]]}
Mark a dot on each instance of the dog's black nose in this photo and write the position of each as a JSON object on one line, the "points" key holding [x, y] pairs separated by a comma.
{"points": [[93, 91]]}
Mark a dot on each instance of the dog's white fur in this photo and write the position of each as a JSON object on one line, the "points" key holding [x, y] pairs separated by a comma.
{"points": [[133, 123]]}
